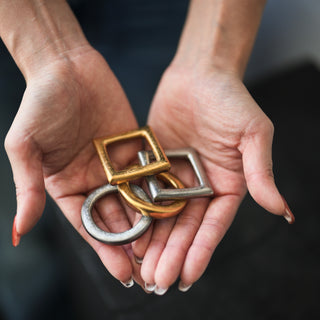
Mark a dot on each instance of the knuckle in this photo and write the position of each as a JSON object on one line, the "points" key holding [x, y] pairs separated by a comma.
{"points": [[214, 225], [14, 144], [188, 220], [33, 190], [261, 126], [212, 232], [117, 218], [9, 142], [158, 242], [268, 126]]}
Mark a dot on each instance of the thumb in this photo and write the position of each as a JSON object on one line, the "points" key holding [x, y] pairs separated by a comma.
{"points": [[26, 164], [257, 165]]}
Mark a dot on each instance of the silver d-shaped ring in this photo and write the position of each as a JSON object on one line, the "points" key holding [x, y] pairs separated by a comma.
{"points": [[109, 237], [158, 194]]}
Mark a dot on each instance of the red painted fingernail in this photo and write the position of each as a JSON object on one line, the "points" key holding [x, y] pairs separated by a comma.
{"points": [[288, 215], [15, 235]]}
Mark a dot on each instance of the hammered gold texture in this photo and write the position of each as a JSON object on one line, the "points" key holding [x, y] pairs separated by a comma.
{"points": [[120, 176]]}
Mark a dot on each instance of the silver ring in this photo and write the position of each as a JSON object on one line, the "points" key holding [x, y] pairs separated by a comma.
{"points": [[109, 237], [203, 190]]}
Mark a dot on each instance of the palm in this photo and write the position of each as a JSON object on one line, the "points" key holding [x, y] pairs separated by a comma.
{"points": [[210, 118], [64, 107], [97, 107], [215, 115]]}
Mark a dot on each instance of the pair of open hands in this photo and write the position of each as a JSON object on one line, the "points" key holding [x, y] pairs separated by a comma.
{"points": [[68, 103]]}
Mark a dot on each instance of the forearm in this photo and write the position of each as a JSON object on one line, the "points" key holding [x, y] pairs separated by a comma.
{"points": [[220, 34], [38, 32]]}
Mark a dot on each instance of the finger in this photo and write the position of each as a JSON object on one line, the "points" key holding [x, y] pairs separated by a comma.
{"points": [[215, 224], [136, 268], [179, 242], [160, 235], [140, 246], [110, 214], [257, 165], [114, 258], [113, 217], [26, 164]]}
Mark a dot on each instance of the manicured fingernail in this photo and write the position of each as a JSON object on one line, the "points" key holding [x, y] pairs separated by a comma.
{"points": [[183, 287], [160, 291], [149, 287], [288, 215], [15, 235], [138, 260], [128, 284]]}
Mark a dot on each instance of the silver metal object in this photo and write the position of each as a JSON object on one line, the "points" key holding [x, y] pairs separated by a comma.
{"points": [[158, 194], [108, 237]]}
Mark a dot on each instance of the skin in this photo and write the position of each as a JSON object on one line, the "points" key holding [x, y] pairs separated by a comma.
{"points": [[72, 96], [229, 148], [201, 102]]}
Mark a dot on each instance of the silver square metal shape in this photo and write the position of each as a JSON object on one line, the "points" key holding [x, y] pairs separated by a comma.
{"points": [[158, 194]]}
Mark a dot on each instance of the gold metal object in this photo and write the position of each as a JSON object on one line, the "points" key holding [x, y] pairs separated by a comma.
{"points": [[120, 176], [154, 210]]}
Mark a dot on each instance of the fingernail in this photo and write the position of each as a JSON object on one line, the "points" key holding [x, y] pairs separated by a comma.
{"points": [[128, 284], [288, 215], [183, 287], [15, 235], [149, 287], [160, 291], [138, 260]]}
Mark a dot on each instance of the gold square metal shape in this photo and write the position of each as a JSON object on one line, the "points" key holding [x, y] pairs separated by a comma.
{"points": [[115, 177]]}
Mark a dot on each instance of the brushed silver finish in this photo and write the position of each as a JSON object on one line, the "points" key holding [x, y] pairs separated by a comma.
{"points": [[158, 194], [109, 237]]}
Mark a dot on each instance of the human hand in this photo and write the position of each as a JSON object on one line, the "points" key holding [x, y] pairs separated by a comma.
{"points": [[66, 104], [212, 112]]}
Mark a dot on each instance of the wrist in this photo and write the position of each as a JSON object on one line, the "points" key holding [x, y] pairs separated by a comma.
{"points": [[33, 61], [202, 81], [206, 63], [219, 34], [39, 33]]}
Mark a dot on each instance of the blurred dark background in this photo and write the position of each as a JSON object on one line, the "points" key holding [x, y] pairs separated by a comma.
{"points": [[264, 268]]}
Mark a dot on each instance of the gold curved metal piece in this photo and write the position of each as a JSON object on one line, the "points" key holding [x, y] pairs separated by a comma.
{"points": [[150, 209], [120, 176]]}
